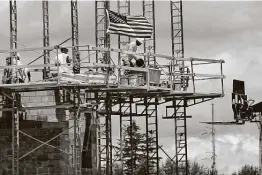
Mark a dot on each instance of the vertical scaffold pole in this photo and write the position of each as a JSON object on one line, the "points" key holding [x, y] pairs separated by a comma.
{"points": [[132, 152], [108, 105], [15, 135], [13, 31], [75, 142], [180, 106], [15, 118], [177, 39], [150, 43], [102, 38], [75, 37], [123, 8], [152, 156], [121, 136], [46, 37]]}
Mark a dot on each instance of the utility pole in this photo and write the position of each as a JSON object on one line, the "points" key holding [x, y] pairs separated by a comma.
{"points": [[213, 142]]}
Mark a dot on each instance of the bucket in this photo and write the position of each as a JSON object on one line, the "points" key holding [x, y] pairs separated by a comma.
{"points": [[133, 80]]}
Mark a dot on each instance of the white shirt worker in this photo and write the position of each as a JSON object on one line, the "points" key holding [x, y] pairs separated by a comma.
{"points": [[131, 47], [61, 61]]}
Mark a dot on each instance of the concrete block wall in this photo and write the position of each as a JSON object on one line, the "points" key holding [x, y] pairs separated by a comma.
{"points": [[43, 124], [45, 160]]}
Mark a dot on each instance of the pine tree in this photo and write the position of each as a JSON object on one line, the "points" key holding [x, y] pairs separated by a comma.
{"points": [[132, 147]]}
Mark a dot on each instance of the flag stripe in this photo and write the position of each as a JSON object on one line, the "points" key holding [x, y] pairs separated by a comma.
{"points": [[140, 20], [145, 33], [134, 26], [139, 24], [136, 17], [124, 26], [132, 34], [130, 30]]}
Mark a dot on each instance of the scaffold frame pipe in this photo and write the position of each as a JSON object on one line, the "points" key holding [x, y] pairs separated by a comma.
{"points": [[46, 53], [118, 50], [75, 37]]}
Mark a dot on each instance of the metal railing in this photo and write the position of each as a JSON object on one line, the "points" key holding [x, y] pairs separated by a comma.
{"points": [[151, 77]]}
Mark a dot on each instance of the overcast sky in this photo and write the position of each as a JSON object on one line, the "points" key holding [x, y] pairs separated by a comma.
{"points": [[212, 29]]}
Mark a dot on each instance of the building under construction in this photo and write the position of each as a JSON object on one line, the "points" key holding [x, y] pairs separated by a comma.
{"points": [[79, 140]]}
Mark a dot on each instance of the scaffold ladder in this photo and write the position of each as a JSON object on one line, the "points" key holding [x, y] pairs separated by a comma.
{"points": [[104, 134], [123, 8], [126, 119], [150, 112], [102, 38], [46, 37], [178, 110], [75, 37], [77, 152], [177, 43], [150, 43]]}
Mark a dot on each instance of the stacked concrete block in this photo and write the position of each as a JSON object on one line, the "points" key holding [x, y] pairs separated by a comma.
{"points": [[39, 98]]}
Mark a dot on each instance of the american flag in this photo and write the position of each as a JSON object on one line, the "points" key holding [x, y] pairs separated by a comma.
{"points": [[133, 26]]}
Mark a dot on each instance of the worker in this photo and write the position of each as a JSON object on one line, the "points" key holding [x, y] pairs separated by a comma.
{"points": [[130, 59], [22, 72], [7, 72], [19, 74], [63, 61]]}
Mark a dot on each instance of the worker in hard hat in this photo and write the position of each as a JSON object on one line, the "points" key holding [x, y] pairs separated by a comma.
{"points": [[130, 59], [133, 61]]}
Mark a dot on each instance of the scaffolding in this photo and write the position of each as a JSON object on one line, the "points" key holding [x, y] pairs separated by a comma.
{"points": [[46, 37], [150, 43], [100, 92], [75, 37], [179, 106]]}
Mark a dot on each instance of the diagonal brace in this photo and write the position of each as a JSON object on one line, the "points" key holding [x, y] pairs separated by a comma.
{"points": [[44, 143]]}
